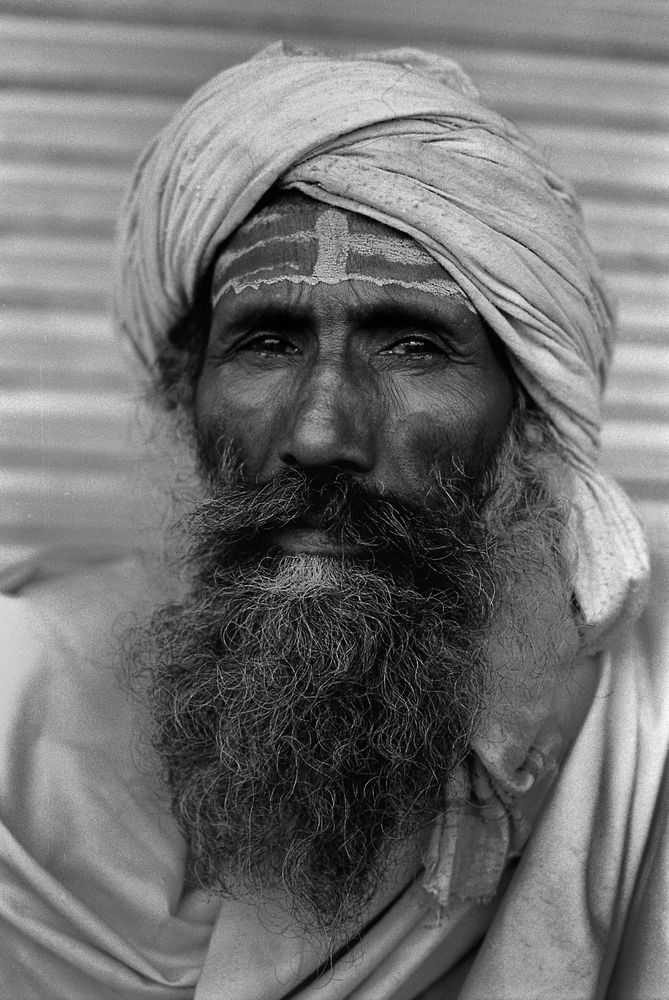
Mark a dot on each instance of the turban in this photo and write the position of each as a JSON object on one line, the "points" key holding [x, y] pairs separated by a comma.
{"points": [[400, 137]]}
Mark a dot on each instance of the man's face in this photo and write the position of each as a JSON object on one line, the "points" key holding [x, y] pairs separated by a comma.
{"points": [[338, 343]]}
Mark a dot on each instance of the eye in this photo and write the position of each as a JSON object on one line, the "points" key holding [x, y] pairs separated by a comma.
{"points": [[269, 343], [414, 346]]}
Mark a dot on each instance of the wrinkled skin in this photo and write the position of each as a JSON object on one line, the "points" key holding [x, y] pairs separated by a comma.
{"points": [[383, 382]]}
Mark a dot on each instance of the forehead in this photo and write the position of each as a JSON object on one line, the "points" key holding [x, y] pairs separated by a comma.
{"points": [[296, 240]]}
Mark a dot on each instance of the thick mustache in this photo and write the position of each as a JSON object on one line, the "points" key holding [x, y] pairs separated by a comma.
{"points": [[240, 517], [325, 501], [328, 501]]}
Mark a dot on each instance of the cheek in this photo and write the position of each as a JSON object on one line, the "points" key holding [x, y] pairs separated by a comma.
{"points": [[226, 416], [484, 427], [418, 444], [466, 428]]}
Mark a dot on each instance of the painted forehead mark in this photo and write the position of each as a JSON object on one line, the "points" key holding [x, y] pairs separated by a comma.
{"points": [[332, 233], [229, 257], [331, 261], [329, 253], [441, 287]]}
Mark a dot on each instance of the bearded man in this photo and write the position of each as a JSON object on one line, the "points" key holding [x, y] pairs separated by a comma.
{"points": [[397, 736]]}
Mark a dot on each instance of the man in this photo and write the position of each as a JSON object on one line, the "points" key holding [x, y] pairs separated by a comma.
{"points": [[397, 735]]}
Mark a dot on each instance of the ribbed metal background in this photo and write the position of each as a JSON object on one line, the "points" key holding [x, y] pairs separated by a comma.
{"points": [[85, 83]]}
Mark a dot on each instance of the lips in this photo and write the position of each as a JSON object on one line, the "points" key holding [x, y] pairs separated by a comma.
{"points": [[301, 538]]}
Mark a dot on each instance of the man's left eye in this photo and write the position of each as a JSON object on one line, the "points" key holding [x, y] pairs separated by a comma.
{"points": [[413, 346]]}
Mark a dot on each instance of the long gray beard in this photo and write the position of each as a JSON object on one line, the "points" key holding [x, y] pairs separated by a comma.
{"points": [[309, 711]]}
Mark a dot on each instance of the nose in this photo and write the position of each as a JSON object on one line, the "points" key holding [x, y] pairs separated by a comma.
{"points": [[329, 424]]}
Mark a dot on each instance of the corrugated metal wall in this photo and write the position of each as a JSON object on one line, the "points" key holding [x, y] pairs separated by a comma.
{"points": [[85, 83]]}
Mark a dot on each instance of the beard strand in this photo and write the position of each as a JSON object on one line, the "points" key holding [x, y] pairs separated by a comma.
{"points": [[309, 710]]}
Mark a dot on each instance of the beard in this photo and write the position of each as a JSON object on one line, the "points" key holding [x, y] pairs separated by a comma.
{"points": [[309, 710]]}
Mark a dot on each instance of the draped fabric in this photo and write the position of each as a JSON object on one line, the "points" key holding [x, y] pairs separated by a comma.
{"points": [[95, 900], [401, 137]]}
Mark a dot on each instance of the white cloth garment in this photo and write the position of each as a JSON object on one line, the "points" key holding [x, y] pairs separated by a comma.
{"points": [[94, 898]]}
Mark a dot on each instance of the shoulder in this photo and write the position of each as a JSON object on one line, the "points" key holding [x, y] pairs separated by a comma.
{"points": [[86, 836], [642, 772], [72, 609], [639, 656], [59, 646]]}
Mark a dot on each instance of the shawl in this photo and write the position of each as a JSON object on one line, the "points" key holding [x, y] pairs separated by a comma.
{"points": [[401, 136]]}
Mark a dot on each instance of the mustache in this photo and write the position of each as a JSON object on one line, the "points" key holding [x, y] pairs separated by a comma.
{"points": [[241, 517]]}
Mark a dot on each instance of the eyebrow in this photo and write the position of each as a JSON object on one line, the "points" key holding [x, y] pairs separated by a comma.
{"points": [[401, 314], [269, 312], [366, 316]]}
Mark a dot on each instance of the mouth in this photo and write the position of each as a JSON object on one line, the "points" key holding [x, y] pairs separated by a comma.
{"points": [[301, 539]]}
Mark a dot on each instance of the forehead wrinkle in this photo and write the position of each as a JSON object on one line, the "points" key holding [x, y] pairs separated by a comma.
{"points": [[439, 288], [417, 302], [338, 246], [280, 295], [232, 256], [294, 299]]}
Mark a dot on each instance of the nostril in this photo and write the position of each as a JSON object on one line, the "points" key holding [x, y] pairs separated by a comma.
{"points": [[344, 453]]}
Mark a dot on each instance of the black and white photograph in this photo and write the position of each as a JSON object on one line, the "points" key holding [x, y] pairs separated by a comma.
{"points": [[334, 500]]}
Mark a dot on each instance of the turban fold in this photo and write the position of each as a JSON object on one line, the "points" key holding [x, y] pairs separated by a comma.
{"points": [[400, 137]]}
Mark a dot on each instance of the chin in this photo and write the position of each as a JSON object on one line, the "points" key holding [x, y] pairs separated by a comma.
{"points": [[301, 573]]}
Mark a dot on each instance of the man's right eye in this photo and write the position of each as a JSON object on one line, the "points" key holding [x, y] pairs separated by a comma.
{"points": [[269, 343]]}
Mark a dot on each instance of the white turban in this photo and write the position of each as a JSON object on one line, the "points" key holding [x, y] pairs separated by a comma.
{"points": [[400, 137]]}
